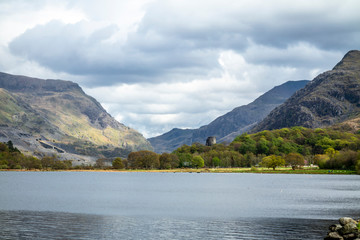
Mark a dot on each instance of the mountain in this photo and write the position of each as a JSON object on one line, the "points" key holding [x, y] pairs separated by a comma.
{"points": [[55, 116], [331, 98], [228, 126]]}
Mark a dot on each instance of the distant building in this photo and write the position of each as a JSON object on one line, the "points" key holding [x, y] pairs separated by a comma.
{"points": [[210, 141]]}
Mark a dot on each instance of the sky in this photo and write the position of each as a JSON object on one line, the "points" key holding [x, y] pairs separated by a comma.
{"points": [[159, 64]]}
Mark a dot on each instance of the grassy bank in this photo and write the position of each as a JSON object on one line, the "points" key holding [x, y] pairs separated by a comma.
{"points": [[212, 170]]}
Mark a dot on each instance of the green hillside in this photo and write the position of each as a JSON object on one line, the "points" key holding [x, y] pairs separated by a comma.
{"points": [[63, 117]]}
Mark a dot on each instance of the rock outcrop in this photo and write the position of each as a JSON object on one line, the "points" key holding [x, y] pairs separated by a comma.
{"points": [[347, 228]]}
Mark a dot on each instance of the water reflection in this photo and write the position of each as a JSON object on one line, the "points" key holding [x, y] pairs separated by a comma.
{"points": [[95, 205], [51, 225]]}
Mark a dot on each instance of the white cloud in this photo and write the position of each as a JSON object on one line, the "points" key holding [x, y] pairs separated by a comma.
{"points": [[159, 107], [18, 16]]}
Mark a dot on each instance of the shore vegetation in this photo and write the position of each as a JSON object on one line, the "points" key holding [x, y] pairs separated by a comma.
{"points": [[287, 150]]}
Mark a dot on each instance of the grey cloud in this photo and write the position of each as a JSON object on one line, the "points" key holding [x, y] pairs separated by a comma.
{"points": [[64, 48], [271, 23], [182, 40]]}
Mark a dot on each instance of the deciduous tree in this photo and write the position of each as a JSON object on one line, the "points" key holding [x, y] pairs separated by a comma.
{"points": [[294, 160], [118, 163], [198, 162], [272, 161]]}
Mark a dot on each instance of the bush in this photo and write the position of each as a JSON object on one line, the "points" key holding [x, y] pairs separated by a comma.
{"points": [[254, 169], [17, 166], [4, 166], [117, 163]]}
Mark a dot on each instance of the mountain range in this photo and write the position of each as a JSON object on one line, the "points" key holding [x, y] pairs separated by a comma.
{"points": [[331, 98], [57, 117], [45, 117], [225, 128]]}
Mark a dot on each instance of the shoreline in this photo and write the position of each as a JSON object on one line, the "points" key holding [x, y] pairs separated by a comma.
{"points": [[200, 170]]}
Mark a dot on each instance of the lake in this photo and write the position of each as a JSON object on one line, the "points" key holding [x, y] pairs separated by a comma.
{"points": [[124, 205]]}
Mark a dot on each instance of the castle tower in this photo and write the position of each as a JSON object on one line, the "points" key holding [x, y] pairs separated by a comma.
{"points": [[210, 141]]}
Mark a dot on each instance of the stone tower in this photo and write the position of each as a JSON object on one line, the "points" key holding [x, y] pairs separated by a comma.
{"points": [[210, 141]]}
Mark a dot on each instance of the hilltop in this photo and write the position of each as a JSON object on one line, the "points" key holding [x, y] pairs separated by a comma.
{"points": [[56, 117], [331, 98]]}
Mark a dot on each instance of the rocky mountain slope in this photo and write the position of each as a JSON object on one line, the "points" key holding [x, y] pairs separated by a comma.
{"points": [[55, 116], [331, 98], [228, 126]]}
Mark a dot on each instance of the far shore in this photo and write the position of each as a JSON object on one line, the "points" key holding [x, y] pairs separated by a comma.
{"points": [[201, 170]]}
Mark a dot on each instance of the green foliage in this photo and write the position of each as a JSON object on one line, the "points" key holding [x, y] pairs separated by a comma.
{"points": [[247, 144], [11, 147], [118, 163], [143, 160], [294, 160], [4, 166], [62, 165], [12, 158], [272, 161], [168, 161], [321, 160], [53, 163], [185, 159], [215, 161], [327, 148], [253, 169], [198, 162], [262, 146]]}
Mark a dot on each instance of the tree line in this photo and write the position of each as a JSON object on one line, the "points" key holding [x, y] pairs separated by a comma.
{"points": [[295, 147], [12, 158]]}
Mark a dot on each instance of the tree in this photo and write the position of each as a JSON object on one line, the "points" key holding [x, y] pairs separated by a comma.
{"points": [[247, 143], [331, 152], [262, 146], [143, 159], [272, 161], [295, 160], [48, 161], [185, 159], [100, 163], [198, 162], [215, 161], [165, 161], [321, 160], [11, 147], [168, 161], [65, 164], [30, 162], [118, 163]]}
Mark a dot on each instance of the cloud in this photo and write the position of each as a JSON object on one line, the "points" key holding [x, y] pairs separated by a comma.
{"points": [[85, 49], [171, 45], [154, 108]]}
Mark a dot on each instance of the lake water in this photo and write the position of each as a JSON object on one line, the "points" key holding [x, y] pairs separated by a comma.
{"points": [[114, 205]]}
